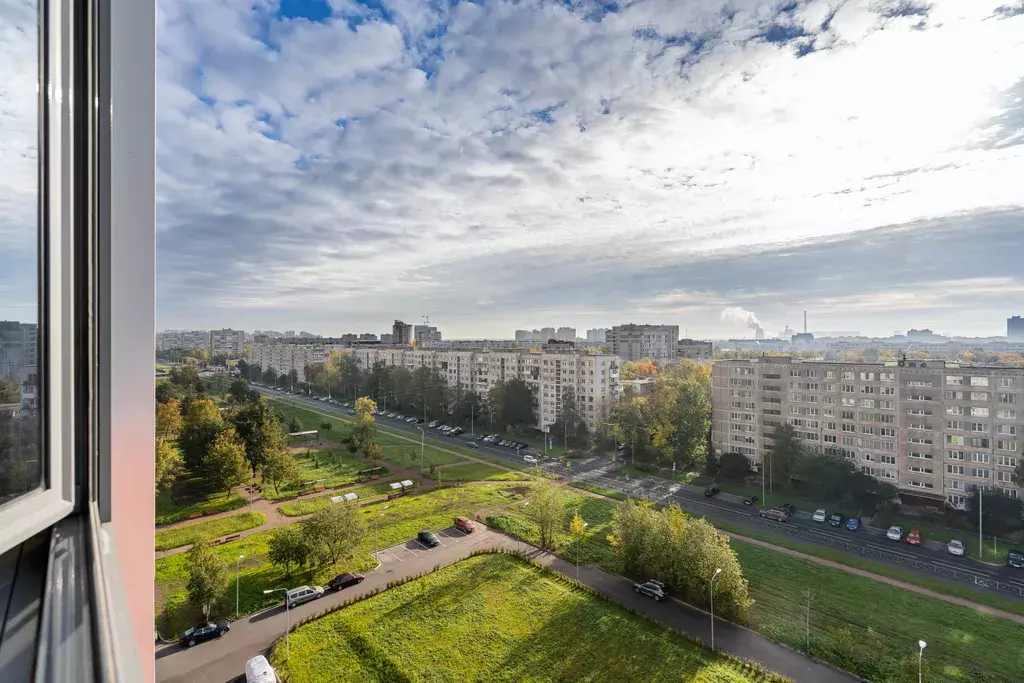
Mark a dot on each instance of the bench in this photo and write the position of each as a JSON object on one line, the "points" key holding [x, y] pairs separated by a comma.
{"points": [[228, 539], [194, 515]]}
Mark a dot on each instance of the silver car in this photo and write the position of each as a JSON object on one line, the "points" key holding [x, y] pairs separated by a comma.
{"points": [[955, 547]]}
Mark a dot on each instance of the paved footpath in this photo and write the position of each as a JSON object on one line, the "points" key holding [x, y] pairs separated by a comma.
{"points": [[223, 660]]}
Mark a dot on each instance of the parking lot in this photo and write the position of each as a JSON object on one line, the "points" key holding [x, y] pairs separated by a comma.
{"points": [[413, 548]]}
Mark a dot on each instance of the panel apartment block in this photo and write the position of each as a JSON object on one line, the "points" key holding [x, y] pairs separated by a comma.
{"points": [[636, 342], [593, 378], [930, 427]]}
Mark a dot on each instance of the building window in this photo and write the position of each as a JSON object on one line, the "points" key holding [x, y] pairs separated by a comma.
{"points": [[1007, 398], [1006, 414], [955, 455], [1006, 445], [1007, 382], [979, 412], [955, 381], [978, 472], [1006, 461], [979, 381]]}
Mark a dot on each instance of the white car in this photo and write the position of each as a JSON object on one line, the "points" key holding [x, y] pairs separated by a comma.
{"points": [[530, 459], [820, 515], [895, 533], [955, 547]]}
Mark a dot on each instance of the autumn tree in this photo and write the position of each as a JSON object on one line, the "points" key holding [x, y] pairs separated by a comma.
{"points": [[207, 577], [364, 431], [169, 465], [224, 466], [294, 425], [279, 468], [334, 531], [201, 427], [547, 510], [168, 417]]}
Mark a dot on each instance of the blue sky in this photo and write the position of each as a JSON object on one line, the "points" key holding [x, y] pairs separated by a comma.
{"points": [[331, 166]]}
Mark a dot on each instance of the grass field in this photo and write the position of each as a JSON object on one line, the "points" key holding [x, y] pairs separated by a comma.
{"points": [[310, 505], [213, 528], [516, 623], [169, 511], [336, 465], [399, 522], [872, 629], [599, 490], [473, 471]]}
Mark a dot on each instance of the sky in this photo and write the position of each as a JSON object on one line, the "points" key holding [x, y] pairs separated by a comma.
{"points": [[333, 165]]}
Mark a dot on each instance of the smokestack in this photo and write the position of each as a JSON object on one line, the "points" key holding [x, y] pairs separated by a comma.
{"points": [[805, 321]]}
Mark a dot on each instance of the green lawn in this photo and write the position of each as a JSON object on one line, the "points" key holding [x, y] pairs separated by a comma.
{"points": [[399, 521], [496, 618], [336, 465], [473, 471], [599, 490], [210, 529], [871, 628], [668, 475], [310, 505], [169, 511]]}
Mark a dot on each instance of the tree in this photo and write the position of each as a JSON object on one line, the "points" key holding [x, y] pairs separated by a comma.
{"points": [[1018, 471], [207, 577], [201, 428], [201, 410], [269, 376], [693, 420], [547, 510], [9, 392], [373, 451], [334, 531], [287, 547], [577, 527], [783, 455], [280, 468], [169, 465], [517, 409], [294, 425], [260, 431], [326, 426], [240, 391], [165, 391], [293, 377], [224, 466], [185, 375], [999, 514], [364, 431], [168, 417], [632, 419], [734, 466]]}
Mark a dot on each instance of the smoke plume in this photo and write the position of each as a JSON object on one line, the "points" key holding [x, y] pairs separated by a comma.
{"points": [[742, 316]]}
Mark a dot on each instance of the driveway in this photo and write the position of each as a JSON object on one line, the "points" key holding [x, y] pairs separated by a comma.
{"points": [[223, 660]]}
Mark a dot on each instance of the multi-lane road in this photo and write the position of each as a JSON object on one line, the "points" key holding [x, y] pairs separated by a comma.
{"points": [[867, 543]]}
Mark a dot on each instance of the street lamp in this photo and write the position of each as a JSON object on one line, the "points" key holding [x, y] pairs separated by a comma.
{"points": [[920, 656], [236, 584], [288, 619], [421, 450], [717, 572], [376, 531]]}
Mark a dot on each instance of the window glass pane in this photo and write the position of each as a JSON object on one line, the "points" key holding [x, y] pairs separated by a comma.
{"points": [[20, 463]]}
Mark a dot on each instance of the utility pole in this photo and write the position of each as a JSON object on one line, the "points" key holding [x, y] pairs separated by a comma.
{"points": [[981, 552], [808, 622]]}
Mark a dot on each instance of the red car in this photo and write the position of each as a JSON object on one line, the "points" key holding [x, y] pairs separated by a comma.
{"points": [[914, 537], [465, 525]]}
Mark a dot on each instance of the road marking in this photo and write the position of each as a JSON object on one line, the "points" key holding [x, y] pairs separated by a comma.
{"points": [[411, 551], [893, 551], [963, 569]]}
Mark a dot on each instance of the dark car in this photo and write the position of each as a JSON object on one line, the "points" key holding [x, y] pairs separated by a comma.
{"points": [[428, 539], [653, 589], [789, 508], [203, 632], [711, 491], [779, 514], [344, 581], [1015, 559], [750, 500], [835, 519]]}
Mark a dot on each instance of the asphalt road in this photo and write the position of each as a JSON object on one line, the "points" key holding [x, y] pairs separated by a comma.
{"points": [[223, 660], [598, 470]]}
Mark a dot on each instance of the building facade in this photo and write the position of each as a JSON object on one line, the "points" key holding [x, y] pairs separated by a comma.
{"points": [[227, 341], [19, 346], [596, 334], [401, 334], [285, 357], [930, 427], [427, 335], [1015, 328], [183, 339], [635, 342], [594, 379], [698, 351]]}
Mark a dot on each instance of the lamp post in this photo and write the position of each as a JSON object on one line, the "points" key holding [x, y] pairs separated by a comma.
{"points": [[376, 531], [421, 450], [717, 572], [288, 619], [237, 560], [920, 656]]}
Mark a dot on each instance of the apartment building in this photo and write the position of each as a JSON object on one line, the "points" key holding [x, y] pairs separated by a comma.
{"points": [[635, 342], [285, 357], [401, 333], [932, 428], [227, 341], [19, 346], [1015, 328], [183, 339], [593, 378], [697, 351]]}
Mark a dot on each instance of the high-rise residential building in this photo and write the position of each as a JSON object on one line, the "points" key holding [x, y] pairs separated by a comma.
{"points": [[565, 334], [289, 334], [694, 350], [284, 357], [183, 339], [387, 338], [401, 334], [427, 335], [227, 341], [635, 342], [546, 333], [525, 336], [18, 347], [593, 378], [932, 428], [349, 337], [1015, 328], [367, 336], [597, 335]]}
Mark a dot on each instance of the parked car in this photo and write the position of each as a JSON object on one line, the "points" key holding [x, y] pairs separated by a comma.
{"points": [[621, 447], [775, 514], [432, 424], [344, 581], [1015, 559], [750, 500], [473, 444], [955, 547], [258, 670], [895, 533], [297, 596], [465, 524], [914, 537], [481, 438], [204, 632], [820, 515], [529, 459], [853, 523], [428, 539], [650, 588], [791, 509], [711, 491], [835, 519], [457, 431]]}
